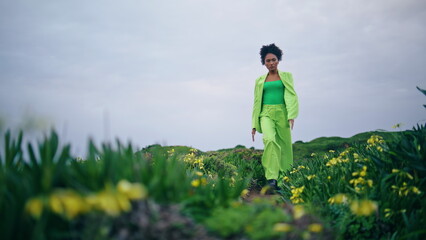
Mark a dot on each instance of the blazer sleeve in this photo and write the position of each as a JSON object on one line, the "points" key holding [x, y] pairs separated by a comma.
{"points": [[254, 114], [291, 99]]}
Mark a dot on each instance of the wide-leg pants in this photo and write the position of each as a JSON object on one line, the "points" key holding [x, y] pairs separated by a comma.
{"points": [[278, 150]]}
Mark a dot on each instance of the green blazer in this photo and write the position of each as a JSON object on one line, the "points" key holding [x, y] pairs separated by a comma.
{"points": [[290, 98]]}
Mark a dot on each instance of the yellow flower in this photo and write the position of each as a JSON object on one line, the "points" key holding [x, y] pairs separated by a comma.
{"points": [[171, 152], [55, 204], [286, 179], [123, 202], [67, 203], [338, 199], [415, 190], [298, 211], [196, 182], [313, 154], [244, 193], [107, 202], [315, 227], [264, 190], [198, 173], [311, 177], [132, 191], [331, 151], [34, 207], [363, 207], [329, 178], [282, 227]]}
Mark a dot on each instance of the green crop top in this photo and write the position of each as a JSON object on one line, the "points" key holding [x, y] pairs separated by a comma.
{"points": [[273, 92]]}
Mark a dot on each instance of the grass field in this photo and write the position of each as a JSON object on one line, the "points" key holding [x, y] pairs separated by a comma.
{"points": [[369, 186]]}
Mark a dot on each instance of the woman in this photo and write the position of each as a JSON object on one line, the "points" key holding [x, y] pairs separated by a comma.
{"points": [[274, 110]]}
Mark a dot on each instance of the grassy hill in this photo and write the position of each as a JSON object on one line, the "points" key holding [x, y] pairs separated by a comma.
{"points": [[301, 150], [324, 144]]}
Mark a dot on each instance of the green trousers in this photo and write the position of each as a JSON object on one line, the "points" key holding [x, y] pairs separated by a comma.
{"points": [[278, 151]]}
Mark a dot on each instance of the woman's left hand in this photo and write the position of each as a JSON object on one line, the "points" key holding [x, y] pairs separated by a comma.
{"points": [[291, 122]]}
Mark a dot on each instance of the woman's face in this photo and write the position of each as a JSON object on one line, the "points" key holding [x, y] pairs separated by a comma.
{"points": [[271, 62]]}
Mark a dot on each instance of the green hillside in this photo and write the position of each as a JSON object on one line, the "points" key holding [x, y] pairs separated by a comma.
{"points": [[324, 144], [301, 150]]}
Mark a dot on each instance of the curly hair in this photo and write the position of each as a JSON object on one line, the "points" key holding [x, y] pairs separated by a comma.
{"points": [[271, 48]]}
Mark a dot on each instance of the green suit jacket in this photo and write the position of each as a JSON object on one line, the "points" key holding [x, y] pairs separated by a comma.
{"points": [[290, 98]]}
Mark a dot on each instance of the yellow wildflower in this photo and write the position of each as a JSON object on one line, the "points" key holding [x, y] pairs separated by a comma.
{"points": [[198, 173], [196, 182], [298, 211], [244, 193], [331, 151], [311, 177], [132, 191], [415, 190], [363, 207], [55, 204], [282, 227], [338, 199], [123, 202], [315, 227], [264, 190], [106, 202], [286, 179], [295, 198], [73, 205], [313, 154], [34, 207], [171, 152]]}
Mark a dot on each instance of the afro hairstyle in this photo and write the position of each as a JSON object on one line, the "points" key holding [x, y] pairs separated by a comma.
{"points": [[271, 48]]}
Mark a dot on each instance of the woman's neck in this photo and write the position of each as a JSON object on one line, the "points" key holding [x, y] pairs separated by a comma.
{"points": [[273, 72]]}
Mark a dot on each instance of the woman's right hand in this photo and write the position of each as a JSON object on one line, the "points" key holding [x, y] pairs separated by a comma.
{"points": [[253, 132]]}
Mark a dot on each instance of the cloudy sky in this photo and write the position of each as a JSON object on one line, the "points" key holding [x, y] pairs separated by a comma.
{"points": [[182, 72]]}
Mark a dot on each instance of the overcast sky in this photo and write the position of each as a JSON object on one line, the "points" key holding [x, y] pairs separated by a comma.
{"points": [[182, 72]]}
